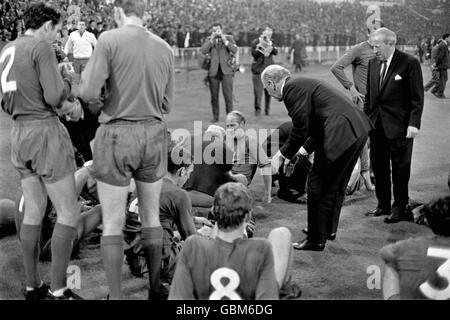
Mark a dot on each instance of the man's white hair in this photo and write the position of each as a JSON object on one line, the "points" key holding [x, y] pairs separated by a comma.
{"points": [[216, 131], [274, 73], [385, 35]]}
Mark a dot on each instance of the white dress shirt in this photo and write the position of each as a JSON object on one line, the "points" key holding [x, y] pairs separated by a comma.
{"points": [[81, 45], [388, 63]]}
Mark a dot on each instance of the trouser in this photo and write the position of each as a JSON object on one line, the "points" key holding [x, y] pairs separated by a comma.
{"points": [[326, 190], [384, 154], [227, 90], [80, 64], [257, 93], [440, 88], [434, 81]]}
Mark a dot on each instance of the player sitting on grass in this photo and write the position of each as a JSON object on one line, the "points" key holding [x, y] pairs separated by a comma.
{"points": [[175, 216], [419, 268], [252, 268]]}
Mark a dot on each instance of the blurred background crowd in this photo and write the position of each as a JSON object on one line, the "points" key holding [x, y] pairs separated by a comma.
{"points": [[338, 23]]}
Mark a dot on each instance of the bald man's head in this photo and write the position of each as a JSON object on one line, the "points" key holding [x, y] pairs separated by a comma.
{"points": [[383, 41], [273, 78]]}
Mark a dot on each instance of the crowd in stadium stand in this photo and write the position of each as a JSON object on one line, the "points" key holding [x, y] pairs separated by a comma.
{"points": [[333, 23]]}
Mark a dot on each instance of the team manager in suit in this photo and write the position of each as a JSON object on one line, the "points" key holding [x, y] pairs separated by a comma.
{"points": [[325, 122], [221, 48], [394, 103]]}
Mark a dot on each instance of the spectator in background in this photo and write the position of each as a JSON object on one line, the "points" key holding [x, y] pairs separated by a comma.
{"points": [[298, 49], [442, 64], [221, 47], [63, 36], [99, 29], [93, 28], [263, 51], [435, 74], [81, 44]]}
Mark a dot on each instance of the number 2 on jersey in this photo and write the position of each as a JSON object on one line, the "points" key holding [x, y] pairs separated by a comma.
{"points": [[8, 86], [443, 271]]}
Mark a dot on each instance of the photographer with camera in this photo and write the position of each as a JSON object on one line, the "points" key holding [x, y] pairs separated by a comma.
{"points": [[263, 51], [222, 49]]}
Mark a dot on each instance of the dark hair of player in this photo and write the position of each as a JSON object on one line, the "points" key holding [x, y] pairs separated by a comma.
{"points": [[232, 202], [132, 7], [438, 216], [445, 35], [39, 13]]}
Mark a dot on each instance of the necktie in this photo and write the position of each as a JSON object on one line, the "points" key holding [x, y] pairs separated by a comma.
{"points": [[383, 72]]}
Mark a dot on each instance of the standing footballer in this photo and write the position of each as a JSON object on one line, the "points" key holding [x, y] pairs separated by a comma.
{"points": [[33, 93], [137, 69]]}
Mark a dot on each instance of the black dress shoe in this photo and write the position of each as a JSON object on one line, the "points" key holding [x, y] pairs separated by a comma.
{"points": [[377, 212], [308, 245], [394, 218], [331, 236]]}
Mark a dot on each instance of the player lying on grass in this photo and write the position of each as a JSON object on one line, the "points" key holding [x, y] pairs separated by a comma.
{"points": [[252, 268], [419, 268]]}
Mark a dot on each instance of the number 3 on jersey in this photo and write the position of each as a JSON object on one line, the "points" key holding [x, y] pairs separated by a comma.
{"points": [[8, 86], [443, 271]]}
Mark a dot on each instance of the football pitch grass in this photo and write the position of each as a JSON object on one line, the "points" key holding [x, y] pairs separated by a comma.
{"points": [[350, 266]]}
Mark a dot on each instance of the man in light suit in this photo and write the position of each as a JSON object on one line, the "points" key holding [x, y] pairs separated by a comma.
{"points": [[222, 49], [394, 103], [325, 122]]}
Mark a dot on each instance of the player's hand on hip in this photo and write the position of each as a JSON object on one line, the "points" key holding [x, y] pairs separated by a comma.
{"points": [[412, 132], [356, 95]]}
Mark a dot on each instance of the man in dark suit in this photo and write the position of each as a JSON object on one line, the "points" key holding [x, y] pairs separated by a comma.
{"points": [[442, 64], [394, 103], [222, 50], [324, 122], [263, 51]]}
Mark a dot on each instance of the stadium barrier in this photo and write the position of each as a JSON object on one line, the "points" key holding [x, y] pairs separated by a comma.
{"points": [[186, 58]]}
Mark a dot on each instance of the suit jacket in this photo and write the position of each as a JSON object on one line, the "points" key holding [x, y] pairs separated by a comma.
{"points": [[324, 119], [206, 176], [220, 54], [399, 101], [260, 62], [442, 56]]}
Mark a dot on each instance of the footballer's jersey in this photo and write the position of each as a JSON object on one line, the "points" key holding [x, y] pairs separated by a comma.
{"points": [[215, 269], [423, 265], [174, 213], [137, 69], [31, 84]]}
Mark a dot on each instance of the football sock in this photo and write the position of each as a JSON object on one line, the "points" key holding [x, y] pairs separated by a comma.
{"points": [[29, 239], [112, 253], [152, 240], [62, 242]]}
